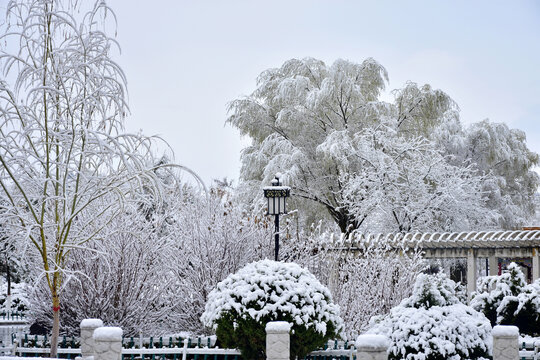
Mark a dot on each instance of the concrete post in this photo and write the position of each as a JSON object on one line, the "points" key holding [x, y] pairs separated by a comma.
{"points": [[471, 271], [87, 336], [493, 265], [505, 342], [108, 343], [278, 341], [535, 264], [372, 347]]}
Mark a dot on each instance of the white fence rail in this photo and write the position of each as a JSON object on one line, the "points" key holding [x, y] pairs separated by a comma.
{"points": [[529, 349]]}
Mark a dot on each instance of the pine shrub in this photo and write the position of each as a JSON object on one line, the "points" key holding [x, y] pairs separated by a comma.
{"points": [[239, 308], [433, 324], [507, 299]]}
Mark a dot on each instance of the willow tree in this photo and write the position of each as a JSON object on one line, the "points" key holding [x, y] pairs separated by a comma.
{"points": [[62, 147], [368, 164]]}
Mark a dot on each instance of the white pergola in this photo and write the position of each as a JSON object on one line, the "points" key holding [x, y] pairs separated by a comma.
{"points": [[470, 245]]}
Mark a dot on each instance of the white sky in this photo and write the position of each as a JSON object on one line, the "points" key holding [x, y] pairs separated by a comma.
{"points": [[185, 60]]}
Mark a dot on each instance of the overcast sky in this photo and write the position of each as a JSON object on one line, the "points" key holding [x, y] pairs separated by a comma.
{"points": [[185, 60]]}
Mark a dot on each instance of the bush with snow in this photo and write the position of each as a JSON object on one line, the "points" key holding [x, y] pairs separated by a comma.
{"points": [[239, 308], [507, 299], [433, 324], [19, 300]]}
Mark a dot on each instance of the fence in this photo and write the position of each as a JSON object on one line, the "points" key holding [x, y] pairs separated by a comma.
{"points": [[529, 349], [505, 347], [12, 317]]}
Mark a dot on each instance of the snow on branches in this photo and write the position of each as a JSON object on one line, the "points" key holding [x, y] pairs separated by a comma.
{"points": [[408, 165]]}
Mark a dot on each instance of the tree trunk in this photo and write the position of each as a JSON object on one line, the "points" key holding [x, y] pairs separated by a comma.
{"points": [[56, 326], [8, 279], [346, 222]]}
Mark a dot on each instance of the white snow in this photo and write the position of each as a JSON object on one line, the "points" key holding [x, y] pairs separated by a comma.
{"points": [[108, 333], [372, 341], [91, 323], [277, 188], [278, 326], [505, 331]]}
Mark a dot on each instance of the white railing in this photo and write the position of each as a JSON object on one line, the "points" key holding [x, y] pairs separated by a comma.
{"points": [[529, 349]]}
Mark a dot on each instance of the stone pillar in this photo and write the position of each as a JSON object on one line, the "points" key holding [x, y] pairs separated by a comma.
{"points": [[87, 332], [505, 342], [493, 265], [372, 347], [535, 264], [278, 341], [471, 271], [108, 343]]}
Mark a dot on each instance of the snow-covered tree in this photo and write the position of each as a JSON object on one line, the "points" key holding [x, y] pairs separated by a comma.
{"points": [[62, 150], [408, 165], [407, 185], [365, 161], [511, 184]]}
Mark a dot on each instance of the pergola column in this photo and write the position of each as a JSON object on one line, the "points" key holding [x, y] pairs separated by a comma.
{"points": [[535, 264], [493, 265], [471, 271]]}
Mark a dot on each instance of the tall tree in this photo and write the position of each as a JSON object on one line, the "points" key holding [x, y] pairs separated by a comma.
{"points": [[368, 163], [62, 150]]}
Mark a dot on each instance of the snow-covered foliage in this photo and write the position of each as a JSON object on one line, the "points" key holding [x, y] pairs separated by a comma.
{"points": [[241, 305], [434, 324], [403, 166], [213, 239], [19, 298], [507, 299], [124, 281], [511, 186], [364, 282], [434, 290], [158, 263]]}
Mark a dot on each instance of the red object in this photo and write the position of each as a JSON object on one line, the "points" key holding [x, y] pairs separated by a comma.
{"points": [[56, 308]]}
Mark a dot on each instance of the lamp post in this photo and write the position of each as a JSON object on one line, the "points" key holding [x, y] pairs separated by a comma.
{"points": [[276, 195]]}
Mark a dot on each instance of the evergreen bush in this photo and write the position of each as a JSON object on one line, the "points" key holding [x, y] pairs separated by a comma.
{"points": [[240, 306], [433, 324], [507, 299]]}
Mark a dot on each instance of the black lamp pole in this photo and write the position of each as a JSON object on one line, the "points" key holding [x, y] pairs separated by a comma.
{"points": [[276, 250], [276, 195]]}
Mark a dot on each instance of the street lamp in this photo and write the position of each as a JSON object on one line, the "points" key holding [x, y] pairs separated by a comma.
{"points": [[276, 195]]}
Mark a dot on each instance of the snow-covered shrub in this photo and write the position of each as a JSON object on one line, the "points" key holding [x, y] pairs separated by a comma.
{"points": [[240, 306], [123, 281], [433, 324], [19, 298], [433, 290], [506, 299]]}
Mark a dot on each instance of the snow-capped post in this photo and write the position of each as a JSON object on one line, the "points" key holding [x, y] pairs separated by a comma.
{"points": [[276, 195], [505, 342], [108, 343], [372, 347], [87, 336], [278, 341]]}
